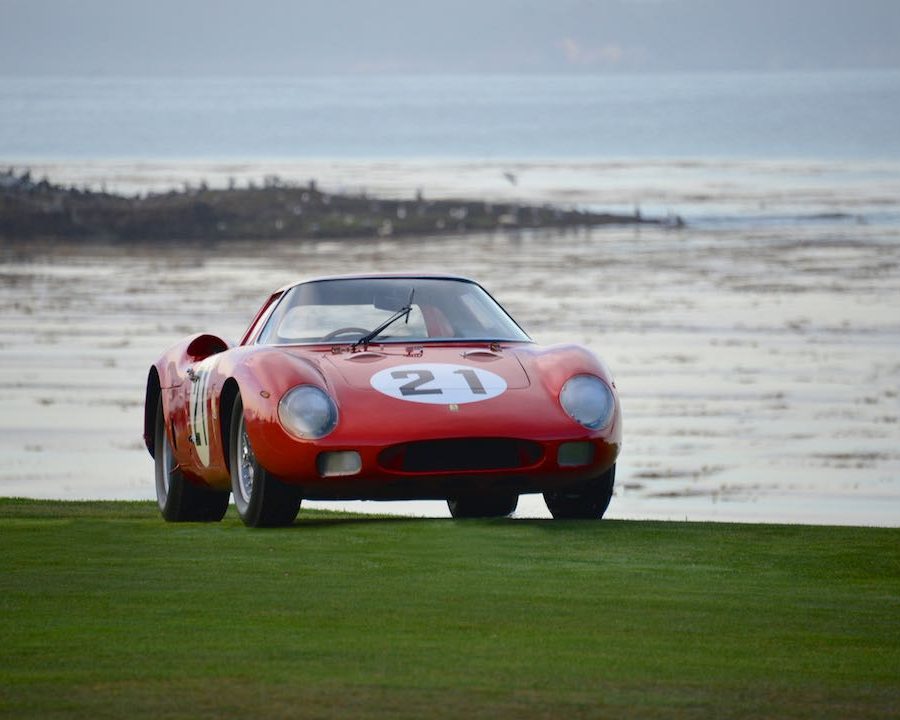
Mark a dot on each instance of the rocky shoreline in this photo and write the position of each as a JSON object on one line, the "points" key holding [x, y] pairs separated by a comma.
{"points": [[40, 209]]}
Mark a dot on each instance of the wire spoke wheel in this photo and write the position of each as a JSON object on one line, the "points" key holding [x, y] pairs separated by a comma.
{"points": [[179, 499], [167, 462], [246, 468], [261, 499]]}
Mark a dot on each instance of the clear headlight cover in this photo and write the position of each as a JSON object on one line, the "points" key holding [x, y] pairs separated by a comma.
{"points": [[588, 401], [307, 412]]}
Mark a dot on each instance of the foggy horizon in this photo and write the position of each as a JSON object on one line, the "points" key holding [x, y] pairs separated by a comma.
{"points": [[359, 37]]}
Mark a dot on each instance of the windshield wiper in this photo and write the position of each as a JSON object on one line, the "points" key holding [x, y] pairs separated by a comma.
{"points": [[404, 311]]}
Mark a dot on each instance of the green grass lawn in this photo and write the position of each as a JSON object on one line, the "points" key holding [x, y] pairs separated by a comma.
{"points": [[107, 611]]}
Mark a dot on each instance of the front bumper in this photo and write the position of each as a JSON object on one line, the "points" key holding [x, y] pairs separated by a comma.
{"points": [[441, 468]]}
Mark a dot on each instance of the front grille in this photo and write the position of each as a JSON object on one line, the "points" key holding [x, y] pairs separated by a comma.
{"points": [[461, 455]]}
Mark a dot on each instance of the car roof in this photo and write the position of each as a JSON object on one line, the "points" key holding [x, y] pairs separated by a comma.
{"points": [[376, 276]]}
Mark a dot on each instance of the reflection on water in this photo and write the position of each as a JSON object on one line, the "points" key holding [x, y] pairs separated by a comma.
{"points": [[758, 368]]}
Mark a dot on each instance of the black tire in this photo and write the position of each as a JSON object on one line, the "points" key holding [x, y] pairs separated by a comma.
{"points": [[483, 506], [179, 499], [587, 501], [261, 499]]}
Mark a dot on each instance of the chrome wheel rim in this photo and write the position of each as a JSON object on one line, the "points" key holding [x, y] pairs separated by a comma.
{"points": [[246, 464], [168, 463]]}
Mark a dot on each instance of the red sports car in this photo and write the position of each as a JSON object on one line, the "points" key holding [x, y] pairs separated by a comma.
{"points": [[380, 387]]}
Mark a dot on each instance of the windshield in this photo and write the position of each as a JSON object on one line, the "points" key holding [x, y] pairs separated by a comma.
{"points": [[338, 311]]}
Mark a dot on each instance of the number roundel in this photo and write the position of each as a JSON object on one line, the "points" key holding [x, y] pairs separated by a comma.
{"points": [[438, 383]]}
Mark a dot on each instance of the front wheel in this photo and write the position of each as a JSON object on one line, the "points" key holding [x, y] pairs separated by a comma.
{"points": [[179, 499], [483, 506], [261, 499], [586, 501]]}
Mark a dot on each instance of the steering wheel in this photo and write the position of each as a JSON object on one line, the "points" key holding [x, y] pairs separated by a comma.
{"points": [[345, 331]]}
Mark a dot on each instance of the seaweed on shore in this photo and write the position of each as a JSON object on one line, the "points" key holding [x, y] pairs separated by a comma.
{"points": [[30, 209]]}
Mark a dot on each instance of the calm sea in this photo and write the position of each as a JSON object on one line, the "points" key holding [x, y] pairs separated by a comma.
{"points": [[830, 116]]}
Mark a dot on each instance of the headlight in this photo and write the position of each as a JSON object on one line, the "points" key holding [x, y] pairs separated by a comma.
{"points": [[588, 401], [307, 412]]}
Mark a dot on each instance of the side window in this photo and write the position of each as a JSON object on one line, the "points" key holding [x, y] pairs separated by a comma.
{"points": [[273, 320], [262, 316]]}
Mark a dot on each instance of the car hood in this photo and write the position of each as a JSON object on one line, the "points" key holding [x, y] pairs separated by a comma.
{"points": [[448, 363]]}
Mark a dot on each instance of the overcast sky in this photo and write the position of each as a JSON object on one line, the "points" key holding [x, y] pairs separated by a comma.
{"points": [[201, 37]]}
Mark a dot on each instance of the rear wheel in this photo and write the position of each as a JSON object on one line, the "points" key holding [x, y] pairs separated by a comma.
{"points": [[261, 499], [179, 499], [587, 501], [483, 506]]}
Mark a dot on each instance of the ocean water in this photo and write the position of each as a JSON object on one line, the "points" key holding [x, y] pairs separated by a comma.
{"points": [[835, 115]]}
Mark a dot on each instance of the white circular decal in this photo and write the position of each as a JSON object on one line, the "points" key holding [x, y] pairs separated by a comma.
{"points": [[438, 383]]}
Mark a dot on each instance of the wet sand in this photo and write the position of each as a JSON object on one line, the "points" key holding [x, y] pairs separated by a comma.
{"points": [[758, 368]]}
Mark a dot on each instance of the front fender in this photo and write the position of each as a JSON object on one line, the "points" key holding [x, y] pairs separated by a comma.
{"points": [[556, 364], [263, 378]]}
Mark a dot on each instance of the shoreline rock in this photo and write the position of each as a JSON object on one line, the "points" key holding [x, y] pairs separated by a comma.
{"points": [[30, 210]]}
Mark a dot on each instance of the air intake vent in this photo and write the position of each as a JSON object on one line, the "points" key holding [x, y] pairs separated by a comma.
{"points": [[461, 455]]}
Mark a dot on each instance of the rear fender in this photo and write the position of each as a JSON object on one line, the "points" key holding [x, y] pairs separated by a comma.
{"points": [[172, 367], [200, 347], [170, 372]]}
